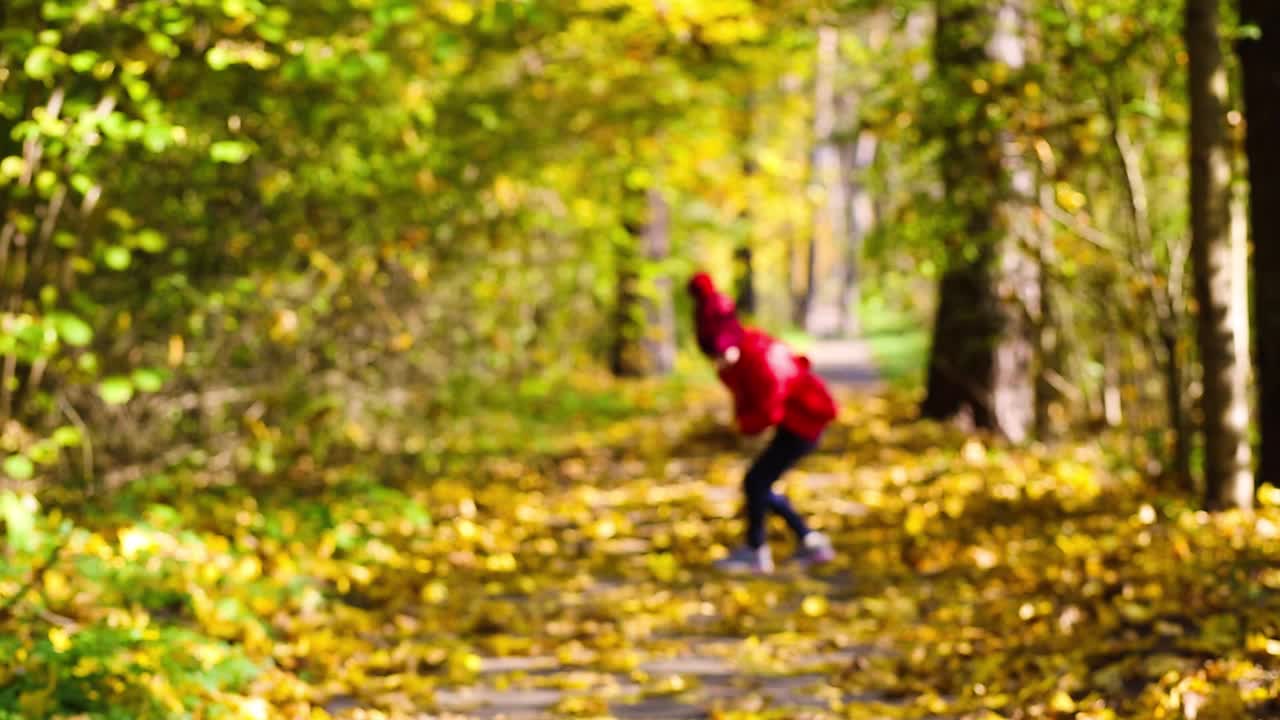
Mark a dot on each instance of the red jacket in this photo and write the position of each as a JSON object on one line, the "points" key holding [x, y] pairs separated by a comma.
{"points": [[770, 385]]}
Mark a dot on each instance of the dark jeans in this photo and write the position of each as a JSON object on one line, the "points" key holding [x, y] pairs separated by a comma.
{"points": [[783, 452]]}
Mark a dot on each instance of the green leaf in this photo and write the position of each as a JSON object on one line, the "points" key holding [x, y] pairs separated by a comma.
{"points": [[236, 9], [218, 58], [117, 258], [150, 241], [41, 62], [137, 89], [19, 514], [1249, 31], [81, 183], [156, 138], [66, 436], [148, 380], [162, 44], [377, 62], [12, 167], [44, 452], [84, 61], [19, 467], [116, 390], [230, 151], [73, 331], [33, 337], [46, 181]]}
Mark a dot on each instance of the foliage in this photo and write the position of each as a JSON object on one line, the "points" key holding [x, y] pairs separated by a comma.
{"points": [[302, 308], [975, 581], [220, 202], [898, 339]]}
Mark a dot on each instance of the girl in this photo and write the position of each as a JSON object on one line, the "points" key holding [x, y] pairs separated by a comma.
{"points": [[770, 387]]}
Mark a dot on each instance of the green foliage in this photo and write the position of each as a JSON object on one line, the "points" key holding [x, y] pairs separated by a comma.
{"points": [[239, 192], [899, 341], [277, 278]]}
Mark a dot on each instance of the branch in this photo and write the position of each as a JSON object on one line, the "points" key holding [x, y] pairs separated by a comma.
{"points": [[1086, 232], [86, 441]]}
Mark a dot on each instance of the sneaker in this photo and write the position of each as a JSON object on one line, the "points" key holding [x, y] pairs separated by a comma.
{"points": [[747, 560], [815, 550]]}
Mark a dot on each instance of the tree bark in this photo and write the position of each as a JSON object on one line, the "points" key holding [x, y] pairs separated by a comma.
{"points": [[856, 158], [745, 292], [1223, 325], [743, 254], [1260, 61], [981, 362], [644, 341], [823, 314]]}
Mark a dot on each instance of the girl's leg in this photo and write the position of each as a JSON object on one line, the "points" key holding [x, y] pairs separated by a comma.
{"points": [[781, 454], [779, 504]]}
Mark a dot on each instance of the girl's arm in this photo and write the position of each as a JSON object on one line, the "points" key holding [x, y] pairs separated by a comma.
{"points": [[760, 390]]}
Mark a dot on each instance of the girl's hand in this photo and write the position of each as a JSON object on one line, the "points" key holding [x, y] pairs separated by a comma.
{"points": [[730, 357]]}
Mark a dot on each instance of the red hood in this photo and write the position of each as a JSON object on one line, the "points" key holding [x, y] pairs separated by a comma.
{"points": [[715, 316]]}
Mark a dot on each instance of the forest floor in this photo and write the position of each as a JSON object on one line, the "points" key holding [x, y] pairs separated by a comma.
{"points": [[974, 581], [695, 663], [525, 579]]}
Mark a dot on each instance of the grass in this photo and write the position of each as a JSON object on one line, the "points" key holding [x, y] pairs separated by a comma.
{"points": [[548, 412], [899, 342], [797, 339]]}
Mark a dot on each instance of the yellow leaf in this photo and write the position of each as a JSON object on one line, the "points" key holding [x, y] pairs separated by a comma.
{"points": [[177, 350], [254, 709], [458, 12], [435, 592], [59, 639], [814, 606], [916, 520]]}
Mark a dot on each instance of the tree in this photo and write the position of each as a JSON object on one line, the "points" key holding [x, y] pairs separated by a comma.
{"points": [[1223, 323], [824, 311], [743, 253], [1260, 60], [980, 365], [644, 343]]}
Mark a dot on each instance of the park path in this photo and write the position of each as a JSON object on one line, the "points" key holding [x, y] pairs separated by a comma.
{"points": [[846, 364], [794, 663]]}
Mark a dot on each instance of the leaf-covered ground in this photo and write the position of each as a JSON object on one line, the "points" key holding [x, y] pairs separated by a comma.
{"points": [[973, 581]]}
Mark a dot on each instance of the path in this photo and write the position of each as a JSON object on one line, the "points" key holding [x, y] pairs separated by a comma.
{"points": [[846, 363], [701, 644]]}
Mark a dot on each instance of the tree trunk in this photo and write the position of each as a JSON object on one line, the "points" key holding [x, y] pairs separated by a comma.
{"points": [[800, 277], [644, 342], [1260, 60], [745, 292], [856, 158], [1223, 324], [823, 314], [743, 254], [981, 362], [1112, 397], [1050, 396]]}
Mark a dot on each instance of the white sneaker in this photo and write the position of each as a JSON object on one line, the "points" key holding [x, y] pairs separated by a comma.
{"points": [[758, 561], [815, 550]]}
